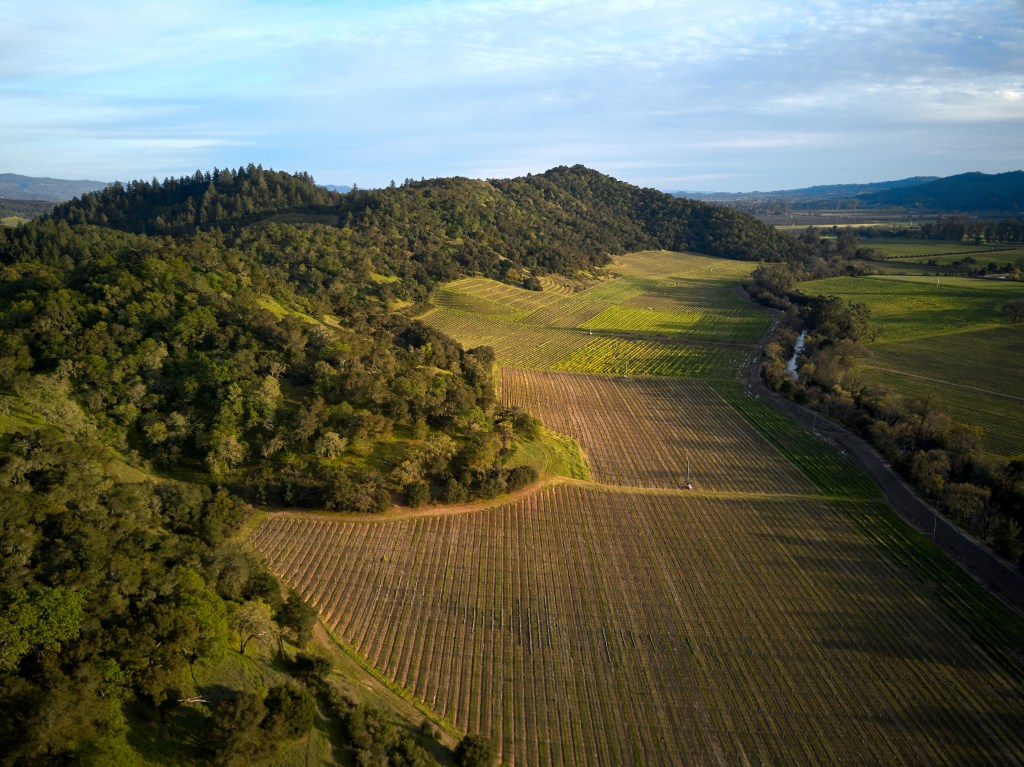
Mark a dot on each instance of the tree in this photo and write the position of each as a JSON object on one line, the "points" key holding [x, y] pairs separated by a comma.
{"points": [[297, 615], [1015, 309], [236, 721], [290, 712], [475, 751], [42, 619], [930, 470], [252, 620], [417, 494], [968, 505]]}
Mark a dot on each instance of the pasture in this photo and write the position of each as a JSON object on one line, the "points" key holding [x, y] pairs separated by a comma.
{"points": [[916, 249], [952, 345]]}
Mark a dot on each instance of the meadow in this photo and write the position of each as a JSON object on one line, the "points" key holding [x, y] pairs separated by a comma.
{"points": [[951, 344], [777, 612], [940, 250]]}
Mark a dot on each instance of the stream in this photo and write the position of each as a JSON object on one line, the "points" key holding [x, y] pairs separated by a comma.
{"points": [[797, 348]]}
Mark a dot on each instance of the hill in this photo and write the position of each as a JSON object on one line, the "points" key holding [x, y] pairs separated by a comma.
{"points": [[175, 351], [811, 193], [15, 187], [1000, 192]]}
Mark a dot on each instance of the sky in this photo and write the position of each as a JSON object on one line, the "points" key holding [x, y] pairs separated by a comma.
{"points": [[676, 94]]}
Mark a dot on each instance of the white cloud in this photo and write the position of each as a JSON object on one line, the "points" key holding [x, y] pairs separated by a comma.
{"points": [[400, 87]]}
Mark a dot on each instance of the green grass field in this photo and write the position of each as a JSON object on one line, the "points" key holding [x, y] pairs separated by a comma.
{"points": [[951, 344], [909, 306], [899, 247]]}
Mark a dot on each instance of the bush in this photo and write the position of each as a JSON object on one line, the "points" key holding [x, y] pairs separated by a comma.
{"points": [[521, 477], [417, 494], [475, 751]]}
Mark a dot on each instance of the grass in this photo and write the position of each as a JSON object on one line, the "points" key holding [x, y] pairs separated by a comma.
{"points": [[908, 248], [974, 376], [951, 344], [552, 454], [914, 306]]}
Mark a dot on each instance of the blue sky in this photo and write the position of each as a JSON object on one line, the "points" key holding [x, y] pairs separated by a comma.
{"points": [[730, 96]]}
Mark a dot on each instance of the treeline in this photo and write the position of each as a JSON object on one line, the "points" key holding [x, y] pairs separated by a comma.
{"points": [[943, 458], [179, 205], [563, 220], [959, 229]]}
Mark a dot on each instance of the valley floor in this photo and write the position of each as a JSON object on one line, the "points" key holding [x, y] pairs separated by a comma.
{"points": [[776, 612]]}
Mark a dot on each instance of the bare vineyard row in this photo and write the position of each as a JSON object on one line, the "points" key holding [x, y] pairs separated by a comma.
{"points": [[580, 626], [647, 429]]}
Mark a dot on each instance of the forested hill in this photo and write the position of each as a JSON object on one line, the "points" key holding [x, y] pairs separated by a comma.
{"points": [[561, 220], [1002, 192]]}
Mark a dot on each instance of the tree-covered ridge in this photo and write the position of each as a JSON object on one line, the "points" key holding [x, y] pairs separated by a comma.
{"points": [[563, 220], [272, 364]]}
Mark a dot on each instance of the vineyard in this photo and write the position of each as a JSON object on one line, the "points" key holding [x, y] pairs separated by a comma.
{"points": [[582, 626], [663, 315], [777, 612], [647, 429]]}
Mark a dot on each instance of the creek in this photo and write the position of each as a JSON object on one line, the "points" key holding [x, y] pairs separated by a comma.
{"points": [[798, 347]]}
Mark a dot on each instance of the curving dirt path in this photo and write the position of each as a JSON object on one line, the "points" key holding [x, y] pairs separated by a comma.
{"points": [[998, 575]]}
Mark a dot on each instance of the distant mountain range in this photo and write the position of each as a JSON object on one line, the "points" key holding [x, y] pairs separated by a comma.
{"points": [[966, 192], [821, 192], [15, 187]]}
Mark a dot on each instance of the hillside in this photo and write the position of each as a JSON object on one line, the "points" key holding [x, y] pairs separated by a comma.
{"points": [[15, 187], [1001, 192]]}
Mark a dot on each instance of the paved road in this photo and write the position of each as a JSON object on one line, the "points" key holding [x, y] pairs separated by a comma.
{"points": [[999, 576]]}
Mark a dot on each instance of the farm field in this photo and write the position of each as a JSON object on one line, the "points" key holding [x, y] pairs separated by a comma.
{"points": [[776, 613], [646, 429], [952, 344], [975, 376], [666, 314], [911, 306], [585, 626], [940, 250]]}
